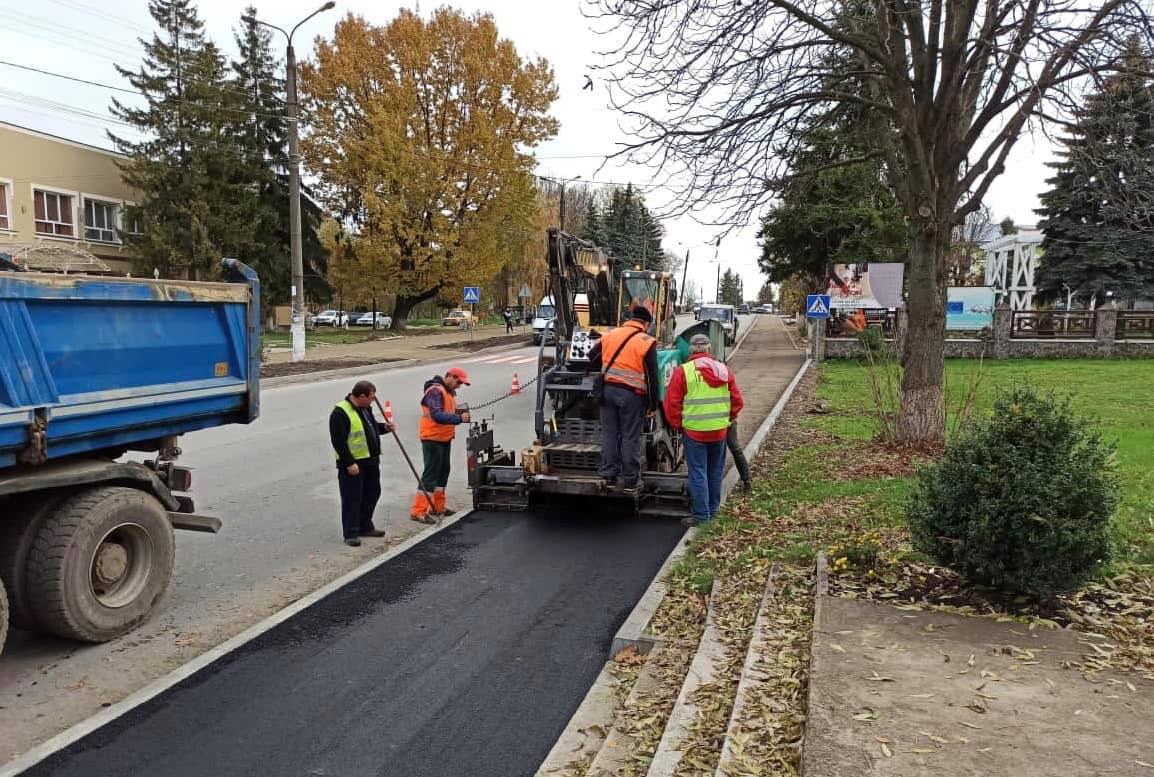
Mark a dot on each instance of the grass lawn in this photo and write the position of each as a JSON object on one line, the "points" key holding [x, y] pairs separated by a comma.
{"points": [[1117, 394]]}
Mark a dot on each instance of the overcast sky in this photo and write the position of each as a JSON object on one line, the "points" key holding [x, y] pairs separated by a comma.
{"points": [[85, 37]]}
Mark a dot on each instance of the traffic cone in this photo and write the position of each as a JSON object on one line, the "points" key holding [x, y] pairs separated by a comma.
{"points": [[516, 385], [388, 411]]}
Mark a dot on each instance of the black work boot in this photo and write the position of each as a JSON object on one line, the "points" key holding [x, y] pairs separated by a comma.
{"points": [[353, 542]]}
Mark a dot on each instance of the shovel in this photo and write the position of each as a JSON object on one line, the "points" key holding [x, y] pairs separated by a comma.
{"points": [[401, 445]]}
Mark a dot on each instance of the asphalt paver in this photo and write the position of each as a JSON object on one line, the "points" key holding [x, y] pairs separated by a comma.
{"points": [[465, 655]]}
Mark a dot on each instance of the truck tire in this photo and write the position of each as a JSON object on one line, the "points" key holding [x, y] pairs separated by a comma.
{"points": [[27, 513], [3, 617], [100, 563]]}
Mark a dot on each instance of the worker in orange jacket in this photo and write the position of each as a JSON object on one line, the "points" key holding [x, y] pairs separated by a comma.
{"points": [[438, 427], [627, 356]]}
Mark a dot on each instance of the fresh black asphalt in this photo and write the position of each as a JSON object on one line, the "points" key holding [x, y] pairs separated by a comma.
{"points": [[465, 655]]}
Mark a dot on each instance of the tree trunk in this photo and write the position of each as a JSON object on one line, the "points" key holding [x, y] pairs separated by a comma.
{"points": [[405, 304], [922, 416], [401, 310]]}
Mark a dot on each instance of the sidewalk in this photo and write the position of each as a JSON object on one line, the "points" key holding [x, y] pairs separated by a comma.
{"points": [[446, 345], [922, 694]]}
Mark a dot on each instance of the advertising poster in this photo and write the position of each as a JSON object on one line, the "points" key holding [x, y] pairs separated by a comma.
{"points": [[856, 286], [969, 309]]}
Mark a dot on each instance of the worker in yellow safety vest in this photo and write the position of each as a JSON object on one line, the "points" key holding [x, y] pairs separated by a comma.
{"points": [[703, 400], [356, 439], [627, 358]]}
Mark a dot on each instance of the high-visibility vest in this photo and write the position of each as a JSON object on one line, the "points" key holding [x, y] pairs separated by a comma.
{"points": [[430, 429], [706, 408], [629, 368], [358, 443]]}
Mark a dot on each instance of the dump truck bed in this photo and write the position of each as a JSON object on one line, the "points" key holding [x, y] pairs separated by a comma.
{"points": [[96, 364]]}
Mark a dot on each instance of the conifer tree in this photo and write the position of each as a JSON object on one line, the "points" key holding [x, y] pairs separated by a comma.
{"points": [[188, 167], [1095, 217]]}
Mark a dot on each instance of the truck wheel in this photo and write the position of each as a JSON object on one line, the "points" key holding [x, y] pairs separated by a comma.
{"points": [[3, 617], [100, 563], [17, 533]]}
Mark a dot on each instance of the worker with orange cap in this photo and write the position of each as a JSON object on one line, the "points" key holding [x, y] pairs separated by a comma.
{"points": [[438, 426]]}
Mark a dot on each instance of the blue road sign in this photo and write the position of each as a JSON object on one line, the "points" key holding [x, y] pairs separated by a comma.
{"points": [[472, 295], [817, 306]]}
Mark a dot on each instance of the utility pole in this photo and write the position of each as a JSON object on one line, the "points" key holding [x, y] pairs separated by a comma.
{"points": [[563, 185], [684, 273], [296, 252], [717, 292]]}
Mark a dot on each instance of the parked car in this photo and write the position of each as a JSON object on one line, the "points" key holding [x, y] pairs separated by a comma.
{"points": [[331, 318], [455, 317], [743, 310], [375, 320], [763, 309]]}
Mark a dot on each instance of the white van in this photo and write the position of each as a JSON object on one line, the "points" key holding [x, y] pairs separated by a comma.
{"points": [[543, 320]]}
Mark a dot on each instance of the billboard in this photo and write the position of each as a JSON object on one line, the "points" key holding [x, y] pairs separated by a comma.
{"points": [[854, 286], [970, 308]]}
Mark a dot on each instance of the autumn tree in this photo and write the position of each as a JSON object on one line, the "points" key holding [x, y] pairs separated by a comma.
{"points": [[421, 132], [721, 96]]}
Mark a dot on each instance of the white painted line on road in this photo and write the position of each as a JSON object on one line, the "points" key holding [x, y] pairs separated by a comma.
{"points": [[86, 727]]}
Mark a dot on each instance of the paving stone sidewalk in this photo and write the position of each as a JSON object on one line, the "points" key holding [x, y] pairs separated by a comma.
{"points": [[928, 694]]}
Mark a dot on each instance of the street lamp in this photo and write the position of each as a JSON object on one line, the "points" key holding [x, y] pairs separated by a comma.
{"points": [[298, 286], [563, 185]]}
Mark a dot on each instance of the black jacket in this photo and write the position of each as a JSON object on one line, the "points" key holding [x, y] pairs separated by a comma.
{"points": [[651, 379], [339, 434]]}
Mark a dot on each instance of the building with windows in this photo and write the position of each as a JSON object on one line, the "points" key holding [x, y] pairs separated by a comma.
{"points": [[61, 203]]}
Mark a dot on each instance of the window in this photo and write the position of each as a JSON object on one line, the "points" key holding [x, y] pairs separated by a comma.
{"points": [[5, 221], [100, 221], [53, 214]]}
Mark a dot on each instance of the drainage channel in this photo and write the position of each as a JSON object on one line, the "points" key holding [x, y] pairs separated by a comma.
{"points": [[465, 655]]}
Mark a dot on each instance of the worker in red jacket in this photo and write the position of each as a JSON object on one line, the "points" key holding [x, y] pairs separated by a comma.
{"points": [[703, 400]]}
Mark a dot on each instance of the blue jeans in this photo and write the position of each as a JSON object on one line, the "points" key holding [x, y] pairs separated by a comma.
{"points": [[706, 464]]}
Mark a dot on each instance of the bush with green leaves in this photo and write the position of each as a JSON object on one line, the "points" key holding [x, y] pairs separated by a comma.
{"points": [[1021, 500]]}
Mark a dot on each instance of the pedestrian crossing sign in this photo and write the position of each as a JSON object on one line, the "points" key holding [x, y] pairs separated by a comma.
{"points": [[817, 306], [472, 295]]}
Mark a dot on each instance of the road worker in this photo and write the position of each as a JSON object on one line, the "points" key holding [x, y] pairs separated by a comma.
{"points": [[439, 420], [627, 357], [356, 439], [703, 400]]}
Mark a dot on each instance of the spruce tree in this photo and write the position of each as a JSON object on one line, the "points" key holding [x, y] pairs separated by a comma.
{"points": [[188, 167], [1094, 241], [594, 228]]}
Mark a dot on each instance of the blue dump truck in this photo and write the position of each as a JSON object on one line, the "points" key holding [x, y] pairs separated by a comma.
{"points": [[99, 378]]}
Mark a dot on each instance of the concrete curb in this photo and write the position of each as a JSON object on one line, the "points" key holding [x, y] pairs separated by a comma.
{"points": [[586, 731], [821, 593], [84, 728], [749, 679], [702, 671]]}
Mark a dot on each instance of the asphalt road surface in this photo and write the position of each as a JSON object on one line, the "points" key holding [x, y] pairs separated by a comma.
{"points": [[465, 655]]}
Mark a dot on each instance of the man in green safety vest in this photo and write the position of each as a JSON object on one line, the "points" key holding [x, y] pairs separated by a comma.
{"points": [[703, 400], [356, 438]]}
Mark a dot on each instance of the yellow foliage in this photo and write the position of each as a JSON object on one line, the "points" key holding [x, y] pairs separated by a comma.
{"points": [[421, 133]]}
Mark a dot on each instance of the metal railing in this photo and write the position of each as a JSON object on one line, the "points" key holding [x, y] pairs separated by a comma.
{"points": [[1133, 325], [1037, 324]]}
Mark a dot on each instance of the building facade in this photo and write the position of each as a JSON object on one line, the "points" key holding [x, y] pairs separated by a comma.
{"points": [[62, 204]]}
